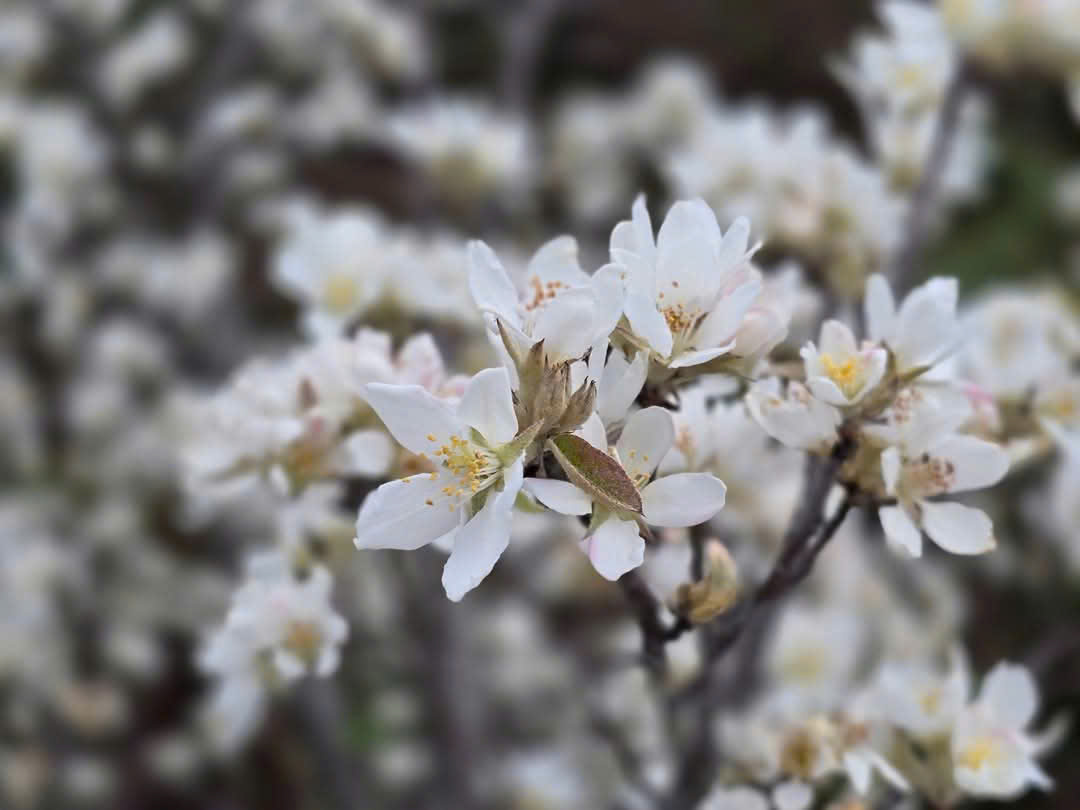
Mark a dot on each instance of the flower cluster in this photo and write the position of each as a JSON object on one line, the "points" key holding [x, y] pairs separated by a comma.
{"points": [[333, 475]]}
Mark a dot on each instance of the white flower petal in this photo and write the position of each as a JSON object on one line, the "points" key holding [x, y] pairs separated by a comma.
{"points": [[615, 547], [957, 528], [1010, 696], [693, 358], [837, 339], [727, 314], [411, 414], [901, 530], [491, 287], [481, 541], [792, 795], [367, 453], [594, 432], [880, 308], [488, 406], [648, 323], [732, 250], [645, 440], [891, 465], [620, 384], [557, 260], [607, 286], [565, 325], [398, 515], [684, 499], [561, 496], [976, 463]]}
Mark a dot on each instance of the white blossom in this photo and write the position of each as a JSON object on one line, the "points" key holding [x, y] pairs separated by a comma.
{"points": [[467, 499], [927, 457]]}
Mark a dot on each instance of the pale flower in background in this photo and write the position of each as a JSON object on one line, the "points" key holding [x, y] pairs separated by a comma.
{"points": [[926, 457], [796, 419], [993, 751]]}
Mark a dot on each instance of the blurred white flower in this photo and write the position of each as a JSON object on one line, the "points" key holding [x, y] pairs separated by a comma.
{"points": [[927, 457], [993, 752]]}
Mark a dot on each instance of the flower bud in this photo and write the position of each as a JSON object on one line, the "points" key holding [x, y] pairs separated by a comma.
{"points": [[702, 601]]}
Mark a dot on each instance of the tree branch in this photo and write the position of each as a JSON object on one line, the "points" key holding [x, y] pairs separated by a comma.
{"points": [[908, 257]]}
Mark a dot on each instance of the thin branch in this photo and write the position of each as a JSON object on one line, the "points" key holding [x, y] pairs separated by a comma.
{"points": [[654, 633], [920, 216], [527, 30], [808, 534], [321, 713], [629, 761]]}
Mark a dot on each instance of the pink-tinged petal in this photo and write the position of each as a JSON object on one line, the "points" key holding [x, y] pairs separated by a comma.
{"points": [[411, 414], [957, 528], [900, 530], [406, 514], [560, 496], [615, 547], [482, 540], [491, 288], [684, 499], [488, 406], [645, 440]]}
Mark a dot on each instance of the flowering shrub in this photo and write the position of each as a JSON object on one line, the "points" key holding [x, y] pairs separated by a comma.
{"points": [[676, 454]]}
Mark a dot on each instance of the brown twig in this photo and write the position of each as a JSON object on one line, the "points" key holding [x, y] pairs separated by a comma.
{"points": [[654, 633], [807, 535]]}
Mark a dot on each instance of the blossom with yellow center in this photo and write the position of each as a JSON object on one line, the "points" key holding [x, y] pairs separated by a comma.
{"points": [[838, 371], [477, 473]]}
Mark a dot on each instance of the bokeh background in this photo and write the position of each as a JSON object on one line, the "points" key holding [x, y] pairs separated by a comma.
{"points": [[153, 158]]}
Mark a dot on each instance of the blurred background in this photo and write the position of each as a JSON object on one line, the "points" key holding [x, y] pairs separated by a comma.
{"points": [[171, 172]]}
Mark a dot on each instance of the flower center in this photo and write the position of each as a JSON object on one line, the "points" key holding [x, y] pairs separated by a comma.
{"points": [[844, 373], [930, 700], [542, 292], [927, 475], [303, 639], [471, 468], [340, 293], [982, 751]]}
